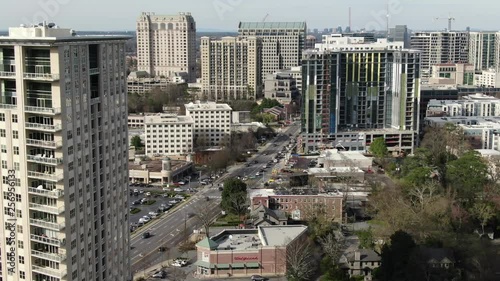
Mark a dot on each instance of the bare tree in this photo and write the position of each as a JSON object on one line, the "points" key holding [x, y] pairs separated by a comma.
{"points": [[424, 194], [332, 246], [484, 212], [204, 215], [299, 261]]}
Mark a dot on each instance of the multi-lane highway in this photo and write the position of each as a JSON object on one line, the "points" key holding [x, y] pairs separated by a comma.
{"points": [[171, 229]]}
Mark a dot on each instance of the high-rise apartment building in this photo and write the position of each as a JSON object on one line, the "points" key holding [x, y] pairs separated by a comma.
{"points": [[166, 45], [440, 47], [354, 94], [282, 43], [212, 123], [231, 68], [482, 50], [64, 154]]}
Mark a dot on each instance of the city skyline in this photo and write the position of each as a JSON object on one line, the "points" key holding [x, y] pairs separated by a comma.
{"points": [[224, 15]]}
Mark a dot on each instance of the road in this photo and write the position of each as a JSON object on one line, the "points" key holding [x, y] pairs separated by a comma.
{"points": [[171, 229]]}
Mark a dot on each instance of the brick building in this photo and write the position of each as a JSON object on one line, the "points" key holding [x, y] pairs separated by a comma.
{"points": [[245, 252], [300, 207]]}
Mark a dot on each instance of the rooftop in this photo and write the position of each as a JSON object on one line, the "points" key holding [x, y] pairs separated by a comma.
{"points": [[335, 154], [252, 193], [198, 105], [253, 239], [163, 118], [366, 255], [272, 25], [155, 166]]}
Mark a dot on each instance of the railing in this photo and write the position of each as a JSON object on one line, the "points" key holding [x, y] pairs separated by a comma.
{"points": [[44, 160], [46, 208], [44, 76], [49, 110], [51, 241], [55, 193], [59, 273], [7, 74], [51, 144], [95, 100], [48, 256], [7, 106], [46, 127], [93, 71], [46, 176], [46, 224]]}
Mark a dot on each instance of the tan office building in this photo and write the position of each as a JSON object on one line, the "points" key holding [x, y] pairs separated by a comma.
{"points": [[63, 138], [166, 45]]}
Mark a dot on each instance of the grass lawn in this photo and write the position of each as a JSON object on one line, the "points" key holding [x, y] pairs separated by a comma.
{"points": [[135, 211]]}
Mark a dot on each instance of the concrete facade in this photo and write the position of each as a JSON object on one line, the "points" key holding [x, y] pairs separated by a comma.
{"points": [[212, 123], [64, 149], [168, 134]]}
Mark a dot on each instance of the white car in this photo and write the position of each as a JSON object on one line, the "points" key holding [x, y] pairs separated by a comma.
{"points": [[146, 218], [148, 193], [181, 183], [178, 189], [153, 214], [179, 263]]}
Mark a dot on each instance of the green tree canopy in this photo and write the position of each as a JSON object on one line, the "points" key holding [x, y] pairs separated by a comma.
{"points": [[378, 148], [136, 142], [233, 188]]}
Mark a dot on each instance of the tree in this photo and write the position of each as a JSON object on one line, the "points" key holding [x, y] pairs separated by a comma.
{"points": [[395, 257], [238, 204], [136, 142], [378, 148], [332, 247], [204, 215], [232, 186], [299, 260], [366, 239], [483, 212]]}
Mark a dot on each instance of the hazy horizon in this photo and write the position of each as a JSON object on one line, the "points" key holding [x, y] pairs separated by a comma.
{"points": [[224, 15]]}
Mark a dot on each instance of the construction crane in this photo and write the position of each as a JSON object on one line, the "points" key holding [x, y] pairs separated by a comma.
{"points": [[265, 18], [450, 19]]}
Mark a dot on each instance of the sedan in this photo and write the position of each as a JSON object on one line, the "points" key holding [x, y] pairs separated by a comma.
{"points": [[258, 278], [159, 274]]}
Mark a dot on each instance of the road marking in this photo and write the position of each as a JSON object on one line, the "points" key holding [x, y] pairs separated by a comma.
{"points": [[171, 234]]}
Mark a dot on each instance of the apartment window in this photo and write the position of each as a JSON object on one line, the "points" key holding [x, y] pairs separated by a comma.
{"points": [[20, 244], [15, 134], [21, 259], [4, 164], [22, 275], [2, 133], [14, 118], [16, 150], [70, 134], [2, 116], [70, 150]]}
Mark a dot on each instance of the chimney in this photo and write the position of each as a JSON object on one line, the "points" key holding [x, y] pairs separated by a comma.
{"points": [[357, 256]]}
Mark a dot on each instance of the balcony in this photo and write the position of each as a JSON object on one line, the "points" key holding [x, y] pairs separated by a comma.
{"points": [[94, 71], [42, 110], [8, 106], [44, 127], [95, 100], [46, 240], [42, 159], [41, 76], [46, 176], [46, 208], [45, 144], [47, 224], [55, 193], [48, 256], [58, 273]]}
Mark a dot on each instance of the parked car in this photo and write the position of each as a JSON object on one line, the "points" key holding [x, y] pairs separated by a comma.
{"points": [[181, 183], [146, 218], [159, 274], [178, 189], [258, 278], [146, 235], [148, 193]]}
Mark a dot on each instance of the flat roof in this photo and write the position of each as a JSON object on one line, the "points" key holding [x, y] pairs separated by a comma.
{"points": [[488, 152], [198, 105], [335, 154], [156, 165], [272, 25], [164, 118], [280, 235]]}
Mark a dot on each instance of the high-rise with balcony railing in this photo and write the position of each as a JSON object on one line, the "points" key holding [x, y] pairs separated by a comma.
{"points": [[63, 142]]}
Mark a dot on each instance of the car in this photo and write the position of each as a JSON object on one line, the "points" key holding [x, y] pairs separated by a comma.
{"points": [[148, 193], [203, 182], [181, 183], [257, 174], [162, 249], [136, 190], [146, 235], [153, 214], [159, 274], [172, 202], [190, 215], [179, 263], [258, 278], [146, 218], [178, 189], [180, 197], [141, 191]]}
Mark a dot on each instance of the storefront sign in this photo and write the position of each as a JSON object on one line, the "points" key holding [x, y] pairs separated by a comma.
{"points": [[246, 258]]}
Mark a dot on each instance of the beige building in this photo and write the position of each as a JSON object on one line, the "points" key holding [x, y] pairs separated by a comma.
{"points": [[452, 74], [212, 123], [487, 78], [63, 137], [440, 47], [282, 43], [159, 171], [135, 121], [230, 68], [168, 134], [166, 44]]}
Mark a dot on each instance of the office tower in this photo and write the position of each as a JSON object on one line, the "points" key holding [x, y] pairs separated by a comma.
{"points": [[64, 153], [400, 33], [482, 50], [231, 68], [166, 45], [282, 43], [440, 47], [212, 123], [168, 134], [339, 29], [353, 94]]}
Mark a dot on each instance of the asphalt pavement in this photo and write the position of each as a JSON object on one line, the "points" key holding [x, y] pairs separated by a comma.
{"points": [[171, 229]]}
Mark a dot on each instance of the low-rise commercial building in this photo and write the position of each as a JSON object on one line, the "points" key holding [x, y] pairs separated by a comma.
{"points": [[332, 158], [299, 207], [136, 121], [159, 171], [168, 134], [245, 252], [212, 123]]}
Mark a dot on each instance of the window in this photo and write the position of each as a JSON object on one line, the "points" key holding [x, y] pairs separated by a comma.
{"points": [[20, 243], [16, 150], [21, 259], [2, 133], [14, 118], [16, 166], [4, 164], [15, 134], [22, 275], [2, 116]]}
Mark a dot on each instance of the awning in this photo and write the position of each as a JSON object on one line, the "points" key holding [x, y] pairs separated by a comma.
{"points": [[253, 265], [222, 266], [204, 264], [238, 265]]}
